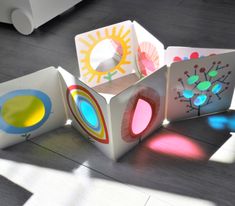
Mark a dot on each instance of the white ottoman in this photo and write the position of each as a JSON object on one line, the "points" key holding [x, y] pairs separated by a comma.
{"points": [[27, 15]]}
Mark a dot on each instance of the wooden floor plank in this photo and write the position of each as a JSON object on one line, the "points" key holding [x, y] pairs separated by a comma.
{"points": [[12, 194], [30, 59], [4, 77], [168, 199]]}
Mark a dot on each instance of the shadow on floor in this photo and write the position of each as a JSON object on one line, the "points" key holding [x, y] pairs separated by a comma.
{"points": [[169, 160]]}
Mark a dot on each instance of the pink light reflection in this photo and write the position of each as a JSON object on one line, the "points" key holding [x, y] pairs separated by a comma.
{"points": [[176, 145]]}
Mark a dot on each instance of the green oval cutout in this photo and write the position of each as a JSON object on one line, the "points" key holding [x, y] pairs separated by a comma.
{"points": [[203, 86], [213, 73], [192, 79]]}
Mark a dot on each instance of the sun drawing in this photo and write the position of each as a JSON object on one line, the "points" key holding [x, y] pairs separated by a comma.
{"points": [[121, 36]]}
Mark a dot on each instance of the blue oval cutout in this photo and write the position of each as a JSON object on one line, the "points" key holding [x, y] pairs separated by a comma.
{"points": [[88, 113], [188, 94], [200, 100], [216, 89]]}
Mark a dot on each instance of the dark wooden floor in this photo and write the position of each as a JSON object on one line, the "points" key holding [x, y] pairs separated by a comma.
{"points": [[158, 175]]}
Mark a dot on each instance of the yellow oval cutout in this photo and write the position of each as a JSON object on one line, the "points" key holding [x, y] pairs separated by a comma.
{"points": [[23, 111]]}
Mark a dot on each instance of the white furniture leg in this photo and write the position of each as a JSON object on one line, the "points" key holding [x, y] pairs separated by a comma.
{"points": [[22, 21]]}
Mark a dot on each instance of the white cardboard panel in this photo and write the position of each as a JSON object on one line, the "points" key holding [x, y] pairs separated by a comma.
{"points": [[232, 106], [122, 35], [66, 80], [176, 54], [36, 91], [151, 89], [73, 86], [192, 90], [149, 51]]}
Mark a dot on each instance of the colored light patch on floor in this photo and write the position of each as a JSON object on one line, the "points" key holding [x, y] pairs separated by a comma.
{"points": [[231, 124], [142, 116], [23, 111], [203, 86], [222, 122], [200, 100], [176, 145]]}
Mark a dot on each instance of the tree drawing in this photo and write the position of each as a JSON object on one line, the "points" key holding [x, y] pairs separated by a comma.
{"points": [[199, 88]]}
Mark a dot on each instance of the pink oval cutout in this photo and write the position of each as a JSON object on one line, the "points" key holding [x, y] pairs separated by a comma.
{"points": [[142, 116]]}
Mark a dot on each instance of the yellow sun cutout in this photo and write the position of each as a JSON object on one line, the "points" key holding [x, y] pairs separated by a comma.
{"points": [[118, 35]]}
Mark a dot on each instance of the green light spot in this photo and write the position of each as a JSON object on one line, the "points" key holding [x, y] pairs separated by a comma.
{"points": [[192, 79], [203, 86], [213, 73]]}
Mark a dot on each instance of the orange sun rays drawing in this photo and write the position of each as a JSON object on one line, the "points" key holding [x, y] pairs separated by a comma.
{"points": [[119, 35]]}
